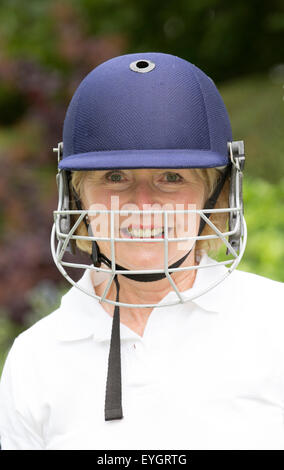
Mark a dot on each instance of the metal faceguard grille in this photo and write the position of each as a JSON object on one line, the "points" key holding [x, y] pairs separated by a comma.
{"points": [[58, 253], [234, 239], [239, 230]]}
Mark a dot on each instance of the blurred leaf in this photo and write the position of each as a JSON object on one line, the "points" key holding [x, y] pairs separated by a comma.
{"points": [[255, 106], [13, 105]]}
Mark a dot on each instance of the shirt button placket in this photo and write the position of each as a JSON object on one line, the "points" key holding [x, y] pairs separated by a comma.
{"points": [[138, 364]]}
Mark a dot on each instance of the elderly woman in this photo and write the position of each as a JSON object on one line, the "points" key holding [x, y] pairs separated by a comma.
{"points": [[158, 345]]}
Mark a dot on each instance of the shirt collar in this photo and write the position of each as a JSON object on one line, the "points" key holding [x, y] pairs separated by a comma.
{"points": [[215, 294], [81, 316]]}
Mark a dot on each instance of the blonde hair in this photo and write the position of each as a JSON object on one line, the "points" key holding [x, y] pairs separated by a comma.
{"points": [[210, 176]]}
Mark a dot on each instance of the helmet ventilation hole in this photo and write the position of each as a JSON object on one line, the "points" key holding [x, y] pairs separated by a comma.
{"points": [[142, 66]]}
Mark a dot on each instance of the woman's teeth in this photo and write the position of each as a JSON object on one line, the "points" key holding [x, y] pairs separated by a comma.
{"points": [[146, 233]]}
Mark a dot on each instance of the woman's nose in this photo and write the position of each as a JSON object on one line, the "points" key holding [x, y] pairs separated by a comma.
{"points": [[142, 194]]}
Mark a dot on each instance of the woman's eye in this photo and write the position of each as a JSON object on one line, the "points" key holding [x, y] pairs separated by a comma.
{"points": [[173, 177], [114, 177]]}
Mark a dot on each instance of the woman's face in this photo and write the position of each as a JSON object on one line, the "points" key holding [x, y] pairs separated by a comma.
{"points": [[144, 189]]}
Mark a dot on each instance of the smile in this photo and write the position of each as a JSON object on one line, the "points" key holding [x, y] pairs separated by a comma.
{"points": [[131, 232]]}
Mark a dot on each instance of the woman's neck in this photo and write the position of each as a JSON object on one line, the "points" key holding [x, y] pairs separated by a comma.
{"points": [[134, 292]]}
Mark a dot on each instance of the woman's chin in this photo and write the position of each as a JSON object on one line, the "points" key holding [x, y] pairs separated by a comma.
{"points": [[145, 260], [137, 257]]}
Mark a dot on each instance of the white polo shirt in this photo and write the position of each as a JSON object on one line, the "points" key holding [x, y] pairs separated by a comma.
{"points": [[207, 374]]}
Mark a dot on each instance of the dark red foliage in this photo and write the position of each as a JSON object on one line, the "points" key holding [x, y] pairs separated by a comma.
{"points": [[28, 192]]}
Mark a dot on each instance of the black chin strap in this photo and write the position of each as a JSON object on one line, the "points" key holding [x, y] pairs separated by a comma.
{"points": [[113, 403]]}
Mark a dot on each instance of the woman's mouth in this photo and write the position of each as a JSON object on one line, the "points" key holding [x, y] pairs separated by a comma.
{"points": [[131, 232]]}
